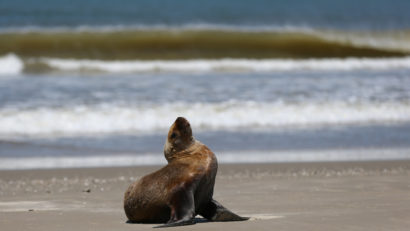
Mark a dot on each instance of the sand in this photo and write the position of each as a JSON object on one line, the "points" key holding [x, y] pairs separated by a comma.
{"points": [[287, 196]]}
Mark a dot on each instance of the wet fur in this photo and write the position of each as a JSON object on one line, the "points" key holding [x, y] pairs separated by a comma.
{"points": [[176, 193]]}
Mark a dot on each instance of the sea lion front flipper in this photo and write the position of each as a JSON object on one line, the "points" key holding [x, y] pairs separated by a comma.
{"points": [[182, 207], [177, 223], [214, 211]]}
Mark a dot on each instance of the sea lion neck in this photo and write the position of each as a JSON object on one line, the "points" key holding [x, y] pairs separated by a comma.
{"points": [[173, 152]]}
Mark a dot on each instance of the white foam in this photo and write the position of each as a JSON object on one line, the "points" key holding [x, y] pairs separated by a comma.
{"points": [[105, 119], [11, 64], [228, 65]]}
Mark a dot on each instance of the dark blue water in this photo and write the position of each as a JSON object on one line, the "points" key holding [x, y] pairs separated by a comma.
{"points": [[347, 14]]}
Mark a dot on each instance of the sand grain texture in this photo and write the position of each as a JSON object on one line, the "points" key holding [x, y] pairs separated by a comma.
{"points": [[308, 196]]}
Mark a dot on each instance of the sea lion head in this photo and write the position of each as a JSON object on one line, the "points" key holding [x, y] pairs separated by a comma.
{"points": [[179, 138]]}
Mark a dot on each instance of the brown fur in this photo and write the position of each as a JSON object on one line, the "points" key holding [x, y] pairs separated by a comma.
{"points": [[190, 165], [182, 189]]}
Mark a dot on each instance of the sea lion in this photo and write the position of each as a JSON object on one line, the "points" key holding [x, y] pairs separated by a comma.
{"points": [[182, 189]]}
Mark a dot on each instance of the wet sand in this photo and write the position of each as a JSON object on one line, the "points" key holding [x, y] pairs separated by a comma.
{"points": [[287, 196]]}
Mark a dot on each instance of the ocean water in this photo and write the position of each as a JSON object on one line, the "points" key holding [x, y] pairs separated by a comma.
{"points": [[98, 83]]}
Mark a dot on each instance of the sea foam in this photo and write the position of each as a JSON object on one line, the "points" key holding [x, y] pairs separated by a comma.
{"points": [[231, 115], [228, 65], [11, 64]]}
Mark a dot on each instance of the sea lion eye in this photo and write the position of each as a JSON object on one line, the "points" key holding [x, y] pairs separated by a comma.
{"points": [[173, 135]]}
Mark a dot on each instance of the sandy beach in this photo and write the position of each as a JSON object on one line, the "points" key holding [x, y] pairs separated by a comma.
{"points": [[287, 196]]}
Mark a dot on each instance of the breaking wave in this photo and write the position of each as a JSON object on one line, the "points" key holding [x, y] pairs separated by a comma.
{"points": [[226, 65], [199, 48], [203, 43], [106, 119], [13, 65]]}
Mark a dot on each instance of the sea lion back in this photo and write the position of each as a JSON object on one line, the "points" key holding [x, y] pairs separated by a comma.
{"points": [[145, 200]]}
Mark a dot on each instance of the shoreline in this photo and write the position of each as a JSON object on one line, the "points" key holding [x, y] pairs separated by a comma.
{"points": [[286, 196], [119, 160], [279, 166]]}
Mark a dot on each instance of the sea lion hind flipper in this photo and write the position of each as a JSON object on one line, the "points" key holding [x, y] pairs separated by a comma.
{"points": [[182, 207], [214, 211], [177, 223]]}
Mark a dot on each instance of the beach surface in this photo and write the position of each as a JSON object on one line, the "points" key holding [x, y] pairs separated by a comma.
{"points": [[279, 196]]}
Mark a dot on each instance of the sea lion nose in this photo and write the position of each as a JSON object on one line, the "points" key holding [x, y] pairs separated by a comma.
{"points": [[181, 121]]}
